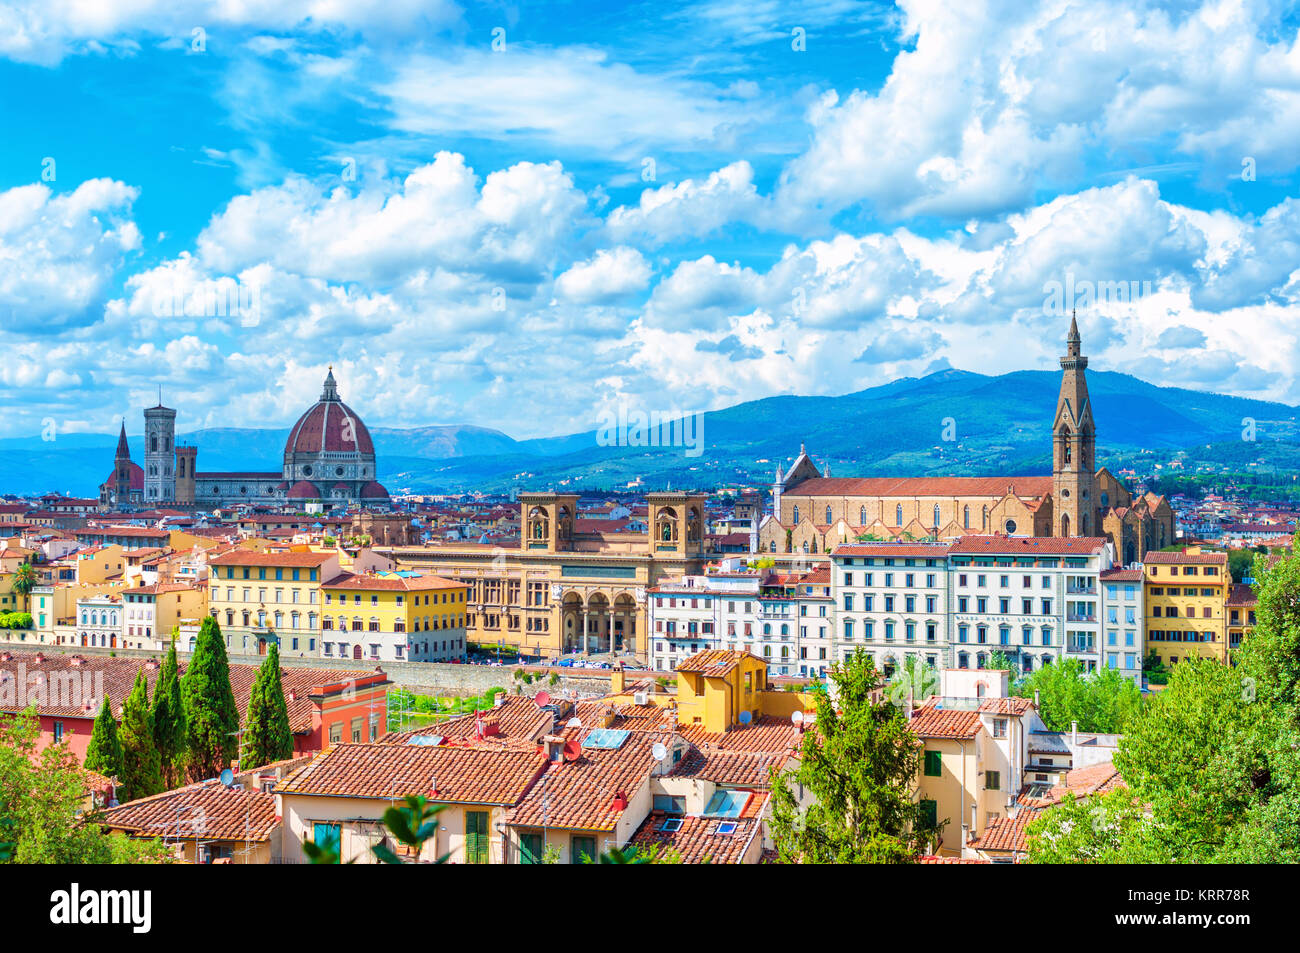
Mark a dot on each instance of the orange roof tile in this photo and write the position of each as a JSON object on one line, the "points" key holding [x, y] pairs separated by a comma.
{"points": [[469, 774], [207, 811]]}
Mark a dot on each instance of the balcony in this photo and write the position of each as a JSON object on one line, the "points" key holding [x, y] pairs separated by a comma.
{"points": [[1080, 646], [1077, 590], [1077, 617]]}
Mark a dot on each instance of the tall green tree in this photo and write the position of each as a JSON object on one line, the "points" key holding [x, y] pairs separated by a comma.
{"points": [[1213, 761], [858, 767], [104, 753], [24, 582], [42, 806], [1102, 701], [267, 737], [169, 719], [211, 715], [141, 765]]}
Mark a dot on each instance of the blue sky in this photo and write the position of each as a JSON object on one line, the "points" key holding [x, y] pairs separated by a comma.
{"points": [[512, 215]]}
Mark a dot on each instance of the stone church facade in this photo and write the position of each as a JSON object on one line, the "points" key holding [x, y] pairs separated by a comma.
{"points": [[813, 512]]}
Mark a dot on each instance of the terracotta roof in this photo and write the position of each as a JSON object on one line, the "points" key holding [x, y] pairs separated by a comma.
{"points": [[1011, 705], [392, 582], [766, 733], [1242, 595], [1081, 782], [582, 794], [933, 859], [207, 811], [913, 487], [915, 550], [697, 839], [1200, 559], [119, 677], [1006, 833], [714, 662], [734, 768], [1121, 575], [931, 722], [1028, 545], [158, 588], [518, 717], [468, 774], [249, 557]]}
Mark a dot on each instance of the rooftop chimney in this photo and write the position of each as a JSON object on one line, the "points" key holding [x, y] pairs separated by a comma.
{"points": [[1074, 732]]}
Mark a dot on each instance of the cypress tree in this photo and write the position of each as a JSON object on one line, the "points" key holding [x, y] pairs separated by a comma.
{"points": [[267, 736], [104, 753], [169, 719], [141, 766], [211, 716]]}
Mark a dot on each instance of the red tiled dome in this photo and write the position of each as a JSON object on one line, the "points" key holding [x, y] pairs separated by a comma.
{"points": [[329, 425], [302, 490], [373, 491]]}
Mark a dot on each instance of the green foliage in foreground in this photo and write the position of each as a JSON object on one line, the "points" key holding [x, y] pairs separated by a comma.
{"points": [[1212, 762]]}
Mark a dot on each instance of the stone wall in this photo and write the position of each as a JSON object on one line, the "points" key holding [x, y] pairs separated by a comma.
{"points": [[426, 678]]}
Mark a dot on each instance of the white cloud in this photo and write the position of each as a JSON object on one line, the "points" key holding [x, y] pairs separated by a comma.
{"points": [[606, 276], [44, 31], [690, 207], [1000, 99], [576, 98], [59, 252]]}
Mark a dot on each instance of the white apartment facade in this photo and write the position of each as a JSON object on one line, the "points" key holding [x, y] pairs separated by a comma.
{"points": [[1033, 599], [785, 619], [891, 600]]}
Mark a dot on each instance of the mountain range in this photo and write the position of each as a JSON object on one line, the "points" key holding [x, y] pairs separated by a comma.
{"points": [[949, 422]]}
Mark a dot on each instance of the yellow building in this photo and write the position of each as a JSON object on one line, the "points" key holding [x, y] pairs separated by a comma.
{"points": [[401, 615], [1241, 614], [974, 738], [565, 588], [258, 597], [1186, 596], [149, 613]]}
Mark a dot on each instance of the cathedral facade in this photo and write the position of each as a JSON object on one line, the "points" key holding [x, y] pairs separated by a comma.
{"points": [[813, 513], [328, 457]]}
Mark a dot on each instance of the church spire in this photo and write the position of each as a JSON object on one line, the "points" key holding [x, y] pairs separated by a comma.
{"points": [[123, 451], [331, 391]]}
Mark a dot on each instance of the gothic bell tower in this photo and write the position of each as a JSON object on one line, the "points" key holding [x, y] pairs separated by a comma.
{"points": [[1074, 460]]}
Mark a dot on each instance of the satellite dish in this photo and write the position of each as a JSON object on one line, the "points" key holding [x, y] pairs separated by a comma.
{"points": [[659, 751], [573, 722], [542, 698], [746, 717], [227, 777], [796, 717]]}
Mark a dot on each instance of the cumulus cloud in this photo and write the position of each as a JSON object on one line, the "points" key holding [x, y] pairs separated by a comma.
{"points": [[59, 252], [998, 99], [607, 276], [690, 207]]}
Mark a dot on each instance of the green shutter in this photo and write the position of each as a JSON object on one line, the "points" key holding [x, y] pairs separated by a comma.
{"points": [[530, 848], [476, 837]]}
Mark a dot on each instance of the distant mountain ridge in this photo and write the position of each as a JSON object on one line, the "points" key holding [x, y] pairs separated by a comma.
{"points": [[1002, 425]]}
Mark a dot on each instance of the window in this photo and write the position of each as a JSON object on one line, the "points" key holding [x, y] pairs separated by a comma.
{"points": [[933, 764], [580, 848], [992, 780], [327, 836], [531, 847], [929, 813]]}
